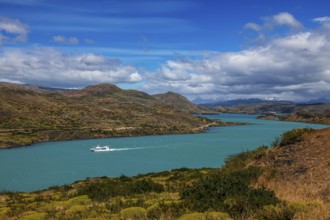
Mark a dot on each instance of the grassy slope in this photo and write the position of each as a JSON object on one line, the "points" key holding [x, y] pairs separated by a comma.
{"points": [[302, 173], [296, 169], [29, 114]]}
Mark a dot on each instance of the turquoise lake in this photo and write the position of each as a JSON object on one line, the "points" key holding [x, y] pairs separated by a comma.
{"points": [[54, 163]]}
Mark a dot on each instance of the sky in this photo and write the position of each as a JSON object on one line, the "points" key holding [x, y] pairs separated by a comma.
{"points": [[202, 49]]}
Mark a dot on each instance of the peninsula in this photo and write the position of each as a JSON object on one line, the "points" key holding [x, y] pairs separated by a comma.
{"points": [[30, 114]]}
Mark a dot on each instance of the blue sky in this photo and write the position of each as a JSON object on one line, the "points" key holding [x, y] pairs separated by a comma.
{"points": [[209, 49]]}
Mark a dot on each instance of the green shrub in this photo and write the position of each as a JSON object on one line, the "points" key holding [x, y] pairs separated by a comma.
{"points": [[205, 216], [133, 213], [32, 215], [144, 186], [276, 212], [294, 136], [75, 212], [154, 212], [240, 161], [104, 189], [229, 192], [172, 210]]}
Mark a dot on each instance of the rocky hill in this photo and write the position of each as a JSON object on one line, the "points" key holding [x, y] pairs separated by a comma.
{"points": [[31, 114], [182, 103]]}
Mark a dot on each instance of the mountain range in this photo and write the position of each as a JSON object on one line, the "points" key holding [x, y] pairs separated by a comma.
{"points": [[234, 102]]}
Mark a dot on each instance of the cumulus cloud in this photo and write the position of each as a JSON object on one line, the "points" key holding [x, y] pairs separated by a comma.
{"points": [[265, 30], [12, 30], [46, 66], [292, 67], [65, 40], [271, 22], [285, 18]]}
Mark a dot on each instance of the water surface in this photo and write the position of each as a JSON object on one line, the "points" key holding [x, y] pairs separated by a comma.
{"points": [[46, 164]]}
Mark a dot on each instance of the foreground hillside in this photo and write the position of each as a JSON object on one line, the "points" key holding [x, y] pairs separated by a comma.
{"points": [[32, 114], [290, 180], [301, 164]]}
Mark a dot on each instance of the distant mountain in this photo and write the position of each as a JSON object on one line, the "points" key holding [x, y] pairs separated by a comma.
{"points": [[235, 102], [31, 114], [323, 100]]}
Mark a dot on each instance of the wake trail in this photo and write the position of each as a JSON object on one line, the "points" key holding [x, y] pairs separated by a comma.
{"points": [[136, 148]]}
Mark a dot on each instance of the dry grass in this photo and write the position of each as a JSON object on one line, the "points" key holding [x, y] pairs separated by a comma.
{"points": [[301, 175]]}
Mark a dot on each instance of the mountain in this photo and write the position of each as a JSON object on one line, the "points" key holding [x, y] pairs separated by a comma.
{"points": [[323, 100], [233, 102], [31, 114], [182, 103]]}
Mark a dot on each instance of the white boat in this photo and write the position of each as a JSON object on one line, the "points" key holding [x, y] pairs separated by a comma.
{"points": [[99, 148]]}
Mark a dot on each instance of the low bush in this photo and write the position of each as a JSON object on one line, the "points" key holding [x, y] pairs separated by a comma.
{"points": [[229, 192], [205, 216], [133, 213], [104, 189], [294, 136], [240, 161]]}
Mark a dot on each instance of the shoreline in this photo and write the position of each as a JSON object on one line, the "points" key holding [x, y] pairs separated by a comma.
{"points": [[125, 132]]}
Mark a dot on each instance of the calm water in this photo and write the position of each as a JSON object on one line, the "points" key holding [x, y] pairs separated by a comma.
{"points": [[53, 163]]}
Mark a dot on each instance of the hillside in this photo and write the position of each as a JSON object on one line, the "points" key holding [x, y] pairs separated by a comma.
{"points": [[31, 114], [290, 180], [279, 107], [300, 169], [308, 117], [287, 111], [182, 103]]}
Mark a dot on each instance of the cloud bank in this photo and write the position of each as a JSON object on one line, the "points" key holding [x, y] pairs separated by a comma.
{"points": [[293, 67], [47, 66]]}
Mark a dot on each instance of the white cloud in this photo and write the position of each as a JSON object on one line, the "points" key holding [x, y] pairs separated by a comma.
{"points": [[12, 30], [65, 40], [271, 22], [269, 25], [252, 26], [285, 18], [292, 67], [322, 19], [46, 66]]}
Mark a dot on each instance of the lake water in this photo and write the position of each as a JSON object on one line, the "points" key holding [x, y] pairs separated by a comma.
{"points": [[54, 163]]}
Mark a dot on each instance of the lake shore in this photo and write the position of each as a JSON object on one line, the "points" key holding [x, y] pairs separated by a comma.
{"points": [[12, 138]]}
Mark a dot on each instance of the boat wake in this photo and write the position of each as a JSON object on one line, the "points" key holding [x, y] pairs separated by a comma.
{"points": [[124, 149]]}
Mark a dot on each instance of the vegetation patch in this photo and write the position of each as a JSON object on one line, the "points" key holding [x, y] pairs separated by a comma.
{"points": [[294, 136]]}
